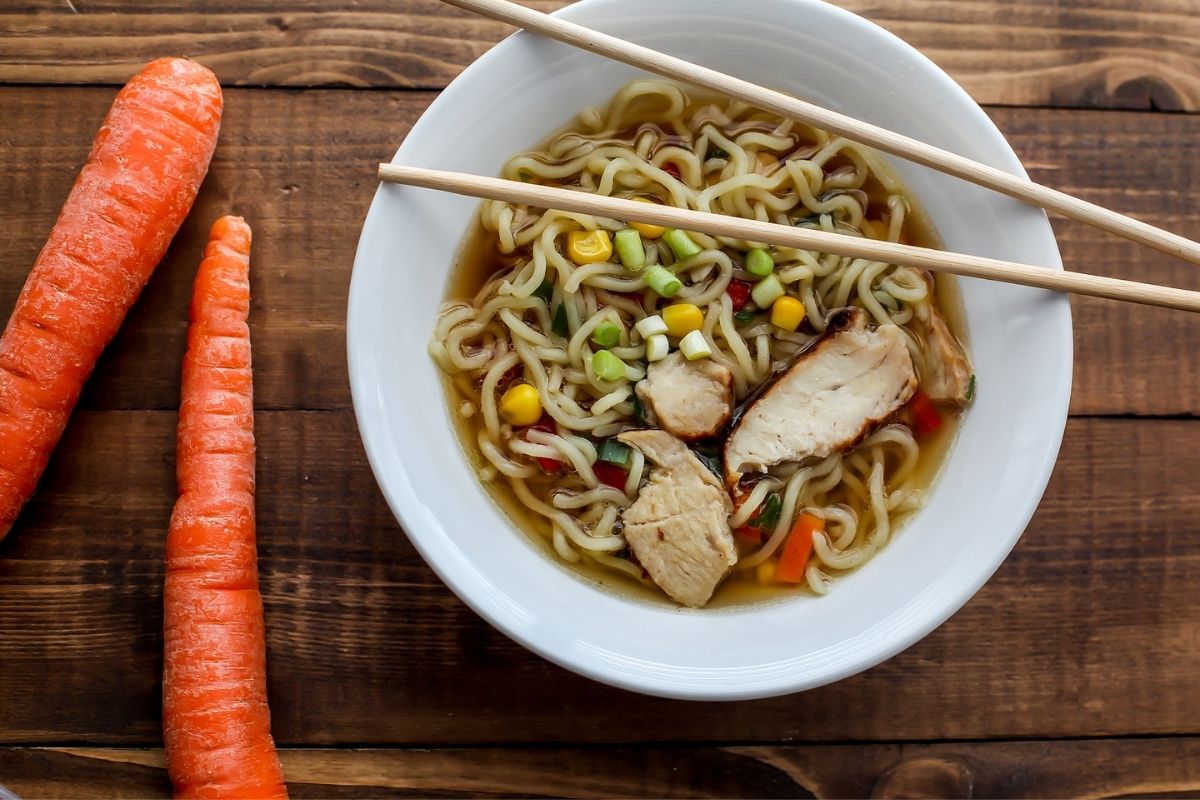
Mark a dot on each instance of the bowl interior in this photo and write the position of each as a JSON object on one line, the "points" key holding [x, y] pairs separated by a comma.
{"points": [[1020, 339]]}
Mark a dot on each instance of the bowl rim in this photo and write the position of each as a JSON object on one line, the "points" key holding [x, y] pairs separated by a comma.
{"points": [[886, 647]]}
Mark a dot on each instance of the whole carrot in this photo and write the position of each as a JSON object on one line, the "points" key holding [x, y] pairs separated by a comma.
{"points": [[216, 724], [141, 177]]}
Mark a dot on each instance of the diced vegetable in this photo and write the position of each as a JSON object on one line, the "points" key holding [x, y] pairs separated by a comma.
{"points": [[545, 291], [926, 417], [610, 474], [645, 228], [672, 170], [607, 334], [759, 263], [650, 326], [682, 318], [589, 247], [694, 346], [787, 313], [663, 281], [657, 347], [607, 366], [524, 175], [971, 389], [797, 549], [739, 294], [521, 405], [681, 244], [716, 152], [560, 326], [742, 317], [630, 249], [767, 291], [614, 452], [765, 572], [768, 515]]}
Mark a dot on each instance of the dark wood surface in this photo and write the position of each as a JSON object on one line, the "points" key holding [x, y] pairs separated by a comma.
{"points": [[1073, 672]]}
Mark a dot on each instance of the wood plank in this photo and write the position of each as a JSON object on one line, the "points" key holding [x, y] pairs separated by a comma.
{"points": [[1084, 631], [1088, 768], [1093, 53], [304, 179]]}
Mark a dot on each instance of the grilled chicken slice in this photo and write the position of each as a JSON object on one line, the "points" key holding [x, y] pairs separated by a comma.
{"points": [[831, 397], [679, 526], [690, 399], [946, 377]]}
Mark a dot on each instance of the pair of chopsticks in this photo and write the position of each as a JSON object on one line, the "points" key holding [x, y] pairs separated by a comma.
{"points": [[807, 239]]}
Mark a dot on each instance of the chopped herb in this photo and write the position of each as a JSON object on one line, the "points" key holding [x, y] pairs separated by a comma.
{"points": [[545, 291], [716, 152], [710, 460], [560, 326], [525, 175], [971, 389], [639, 410], [742, 317], [768, 516]]}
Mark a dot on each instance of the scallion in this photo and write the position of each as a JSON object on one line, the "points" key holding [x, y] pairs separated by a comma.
{"points": [[614, 452], [716, 152], [759, 263], [657, 348], [767, 291], [682, 245], [710, 460], [545, 291], [663, 281], [650, 326], [560, 327], [742, 317], [630, 249], [694, 346], [607, 334], [639, 410], [607, 366], [971, 389], [768, 517]]}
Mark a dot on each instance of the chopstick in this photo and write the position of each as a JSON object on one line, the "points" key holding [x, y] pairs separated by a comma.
{"points": [[863, 132], [788, 236]]}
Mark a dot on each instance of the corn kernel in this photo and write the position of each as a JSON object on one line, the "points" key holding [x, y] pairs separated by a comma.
{"points": [[682, 318], [589, 247], [645, 228], [787, 313], [765, 572], [521, 405]]}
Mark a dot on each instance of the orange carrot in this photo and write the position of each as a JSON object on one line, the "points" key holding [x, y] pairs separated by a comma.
{"points": [[138, 184], [798, 549], [216, 723]]}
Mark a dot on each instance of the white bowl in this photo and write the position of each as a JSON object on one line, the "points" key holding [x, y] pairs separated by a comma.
{"points": [[1020, 339]]}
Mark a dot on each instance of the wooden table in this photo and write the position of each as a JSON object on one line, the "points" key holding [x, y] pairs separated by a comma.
{"points": [[1073, 672]]}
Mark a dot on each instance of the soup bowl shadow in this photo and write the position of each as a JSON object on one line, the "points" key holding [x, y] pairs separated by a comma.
{"points": [[997, 468]]}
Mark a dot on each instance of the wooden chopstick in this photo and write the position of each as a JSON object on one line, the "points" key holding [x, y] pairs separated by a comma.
{"points": [[787, 236], [840, 124]]}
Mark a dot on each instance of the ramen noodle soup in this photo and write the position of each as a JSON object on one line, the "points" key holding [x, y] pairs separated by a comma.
{"points": [[702, 419]]}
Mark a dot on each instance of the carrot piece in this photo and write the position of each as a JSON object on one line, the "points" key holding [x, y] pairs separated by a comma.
{"points": [[216, 723], [925, 415], [140, 180], [798, 548]]}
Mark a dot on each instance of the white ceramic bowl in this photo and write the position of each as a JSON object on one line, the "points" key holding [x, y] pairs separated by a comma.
{"points": [[1020, 339]]}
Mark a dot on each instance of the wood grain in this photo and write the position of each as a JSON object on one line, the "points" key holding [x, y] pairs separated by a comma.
{"points": [[1082, 769], [1091, 53], [1084, 631], [292, 165]]}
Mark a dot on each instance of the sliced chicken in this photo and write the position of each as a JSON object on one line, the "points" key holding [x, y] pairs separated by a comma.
{"points": [[690, 399], [679, 526], [831, 397], [947, 374]]}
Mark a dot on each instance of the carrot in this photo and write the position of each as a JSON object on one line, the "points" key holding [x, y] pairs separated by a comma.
{"points": [[798, 549], [216, 723], [138, 184]]}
